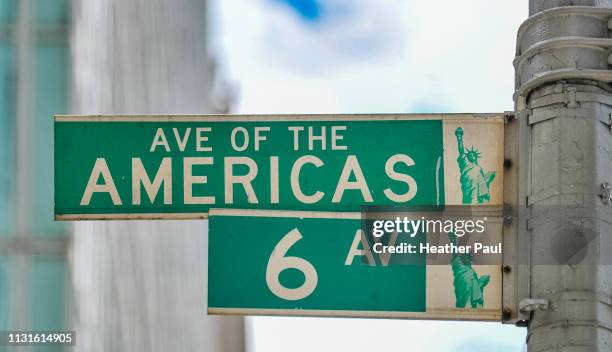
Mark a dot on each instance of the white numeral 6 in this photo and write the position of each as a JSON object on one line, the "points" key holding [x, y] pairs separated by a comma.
{"points": [[278, 262]]}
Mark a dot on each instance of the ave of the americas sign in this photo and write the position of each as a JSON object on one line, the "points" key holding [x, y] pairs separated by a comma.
{"points": [[121, 167]]}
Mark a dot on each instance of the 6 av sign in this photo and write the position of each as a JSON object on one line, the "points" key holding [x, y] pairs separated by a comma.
{"points": [[179, 167], [318, 264]]}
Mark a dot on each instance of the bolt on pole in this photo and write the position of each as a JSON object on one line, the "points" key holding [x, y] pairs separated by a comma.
{"points": [[563, 101]]}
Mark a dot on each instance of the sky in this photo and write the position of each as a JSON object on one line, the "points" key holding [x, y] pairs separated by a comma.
{"points": [[369, 56]]}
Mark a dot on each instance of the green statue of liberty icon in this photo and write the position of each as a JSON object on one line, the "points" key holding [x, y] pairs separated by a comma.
{"points": [[474, 180], [469, 288]]}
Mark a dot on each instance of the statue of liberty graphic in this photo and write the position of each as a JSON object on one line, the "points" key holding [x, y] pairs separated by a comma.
{"points": [[474, 181], [469, 288]]}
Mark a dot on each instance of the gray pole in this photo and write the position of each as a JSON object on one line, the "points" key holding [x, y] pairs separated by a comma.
{"points": [[564, 106], [141, 285]]}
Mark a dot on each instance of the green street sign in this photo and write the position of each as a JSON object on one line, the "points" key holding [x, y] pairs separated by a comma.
{"points": [[284, 193], [318, 264], [179, 167]]}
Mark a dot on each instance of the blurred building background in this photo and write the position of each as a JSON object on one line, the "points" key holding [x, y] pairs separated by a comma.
{"points": [[34, 85], [141, 285], [122, 286]]}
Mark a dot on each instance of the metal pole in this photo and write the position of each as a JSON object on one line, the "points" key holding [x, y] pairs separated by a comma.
{"points": [[564, 106]]}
